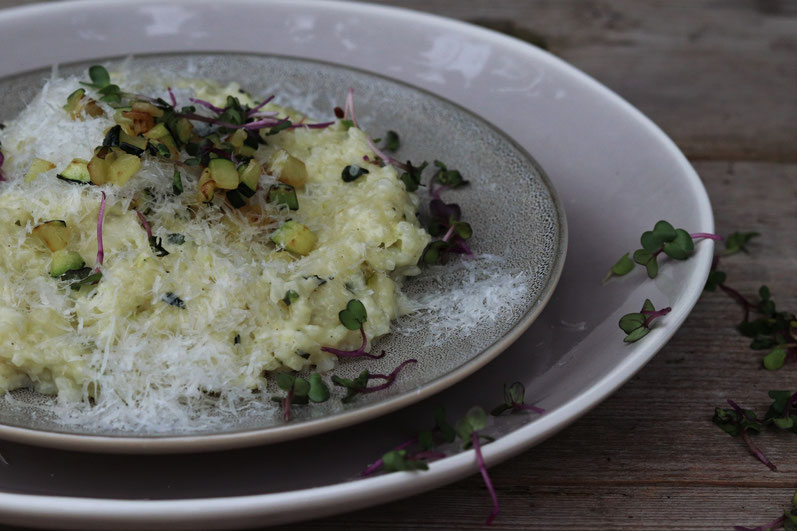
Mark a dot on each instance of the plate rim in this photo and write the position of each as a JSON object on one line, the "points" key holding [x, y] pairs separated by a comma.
{"points": [[325, 500]]}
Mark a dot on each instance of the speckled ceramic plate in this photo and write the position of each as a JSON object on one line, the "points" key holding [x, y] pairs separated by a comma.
{"points": [[509, 202], [615, 171]]}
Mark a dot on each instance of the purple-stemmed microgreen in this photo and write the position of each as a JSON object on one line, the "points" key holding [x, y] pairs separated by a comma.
{"points": [[100, 248], [637, 325], [359, 385], [664, 238], [353, 317], [2, 159], [468, 428], [300, 391], [788, 520], [780, 413], [772, 330], [156, 244], [514, 401], [740, 422]]}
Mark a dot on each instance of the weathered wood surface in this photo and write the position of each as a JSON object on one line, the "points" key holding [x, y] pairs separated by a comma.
{"points": [[720, 77]]}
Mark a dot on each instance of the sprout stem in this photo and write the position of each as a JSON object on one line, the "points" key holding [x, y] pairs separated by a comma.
{"points": [[483, 469], [100, 249], [144, 223]]}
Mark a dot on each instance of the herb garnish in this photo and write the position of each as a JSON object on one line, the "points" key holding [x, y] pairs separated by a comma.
{"points": [[300, 391], [353, 317], [513, 401], [360, 384], [664, 238], [100, 218], [637, 325], [156, 244], [82, 277], [290, 297], [392, 142], [352, 172], [737, 421], [174, 300]]}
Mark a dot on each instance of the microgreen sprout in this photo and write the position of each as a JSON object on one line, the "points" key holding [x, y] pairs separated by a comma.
{"points": [[100, 248], [637, 325], [2, 175], [664, 238], [737, 421], [156, 244], [299, 391], [101, 81], [780, 413], [354, 317], [359, 385], [772, 330], [788, 520], [513, 401], [738, 241], [392, 142], [172, 299], [177, 183]]}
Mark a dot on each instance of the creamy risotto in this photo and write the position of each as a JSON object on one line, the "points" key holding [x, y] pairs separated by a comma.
{"points": [[227, 252]]}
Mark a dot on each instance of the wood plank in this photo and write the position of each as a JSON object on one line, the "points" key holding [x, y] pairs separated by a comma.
{"points": [[718, 77]]}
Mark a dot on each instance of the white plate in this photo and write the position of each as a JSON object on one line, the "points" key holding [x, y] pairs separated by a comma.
{"points": [[616, 173]]}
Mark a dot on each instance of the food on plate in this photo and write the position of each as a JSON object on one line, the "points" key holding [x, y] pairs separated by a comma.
{"points": [[172, 238]]}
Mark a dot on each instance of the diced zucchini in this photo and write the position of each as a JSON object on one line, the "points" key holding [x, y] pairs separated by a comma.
{"points": [[123, 168], [183, 129], [288, 169], [206, 186], [99, 168], [237, 138], [283, 194], [143, 106], [124, 121], [294, 237], [250, 176], [54, 234], [224, 173], [158, 132], [73, 103], [64, 261], [246, 151], [36, 167], [77, 172]]}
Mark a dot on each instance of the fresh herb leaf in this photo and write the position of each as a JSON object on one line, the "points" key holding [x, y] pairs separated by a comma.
{"points": [[781, 412], [637, 325], [392, 142], [279, 127], [174, 300], [177, 183], [352, 172], [412, 177], [354, 316], [736, 421], [99, 76], [290, 297], [514, 401], [319, 392], [176, 238], [715, 279], [737, 242], [156, 244], [446, 177], [398, 461], [623, 266]]}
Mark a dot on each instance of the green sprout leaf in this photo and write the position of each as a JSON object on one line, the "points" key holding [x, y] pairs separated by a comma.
{"points": [[775, 359], [623, 266], [782, 413], [392, 142], [319, 392], [715, 278], [637, 325], [474, 420], [412, 178], [99, 76], [290, 297], [446, 177], [737, 242], [177, 183], [397, 461], [354, 316], [285, 380]]}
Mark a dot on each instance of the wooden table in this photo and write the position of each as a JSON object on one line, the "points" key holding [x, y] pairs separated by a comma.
{"points": [[721, 79]]}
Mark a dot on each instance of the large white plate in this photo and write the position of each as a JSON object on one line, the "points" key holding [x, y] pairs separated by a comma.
{"points": [[616, 173]]}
